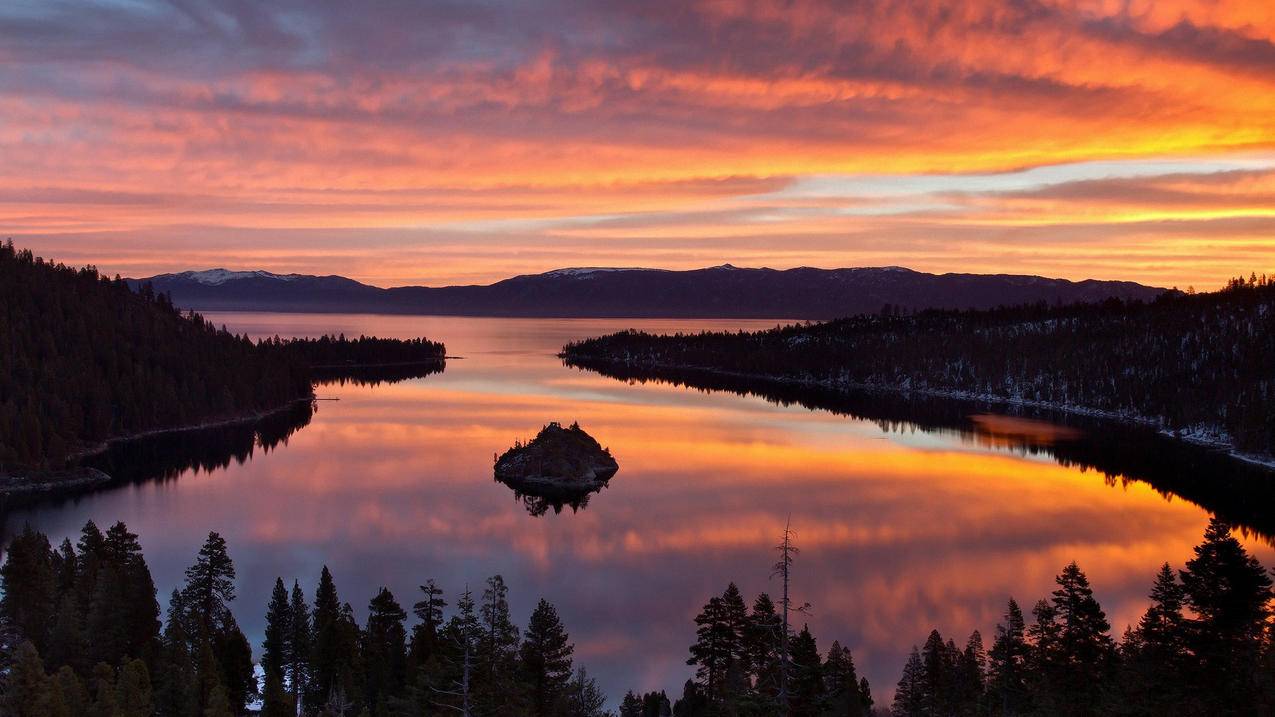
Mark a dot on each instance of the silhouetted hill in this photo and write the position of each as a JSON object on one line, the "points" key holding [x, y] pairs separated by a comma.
{"points": [[1199, 365], [723, 291], [88, 359]]}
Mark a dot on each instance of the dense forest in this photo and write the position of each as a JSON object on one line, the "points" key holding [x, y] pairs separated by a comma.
{"points": [[744, 668], [1238, 491], [327, 352], [1199, 364], [88, 359], [83, 635], [1205, 646]]}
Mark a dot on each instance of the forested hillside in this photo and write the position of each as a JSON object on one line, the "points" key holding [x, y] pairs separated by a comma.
{"points": [[89, 359], [1203, 364], [81, 634], [333, 352]]}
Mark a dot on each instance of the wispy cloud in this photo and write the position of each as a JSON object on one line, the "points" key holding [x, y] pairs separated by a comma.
{"points": [[658, 132]]}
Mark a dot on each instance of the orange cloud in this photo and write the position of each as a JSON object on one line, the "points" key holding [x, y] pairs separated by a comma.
{"points": [[135, 140]]}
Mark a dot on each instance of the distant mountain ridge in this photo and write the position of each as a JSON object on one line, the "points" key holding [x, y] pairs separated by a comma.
{"points": [[592, 292]]}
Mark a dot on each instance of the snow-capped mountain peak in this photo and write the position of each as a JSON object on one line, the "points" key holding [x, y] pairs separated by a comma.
{"points": [[586, 271], [217, 277]]}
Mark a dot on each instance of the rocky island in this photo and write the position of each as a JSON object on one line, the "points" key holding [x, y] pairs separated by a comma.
{"points": [[559, 466]]}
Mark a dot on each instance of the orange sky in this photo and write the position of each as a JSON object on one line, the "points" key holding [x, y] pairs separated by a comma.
{"points": [[450, 143]]}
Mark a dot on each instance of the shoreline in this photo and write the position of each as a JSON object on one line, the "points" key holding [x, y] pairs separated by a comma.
{"points": [[43, 481], [1201, 437], [242, 417], [394, 364], [24, 482]]}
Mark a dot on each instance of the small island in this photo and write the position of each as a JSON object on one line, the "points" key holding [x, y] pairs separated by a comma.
{"points": [[559, 466]]}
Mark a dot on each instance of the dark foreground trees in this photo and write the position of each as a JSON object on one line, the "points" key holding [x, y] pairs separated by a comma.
{"points": [[80, 634], [1203, 647], [742, 670]]}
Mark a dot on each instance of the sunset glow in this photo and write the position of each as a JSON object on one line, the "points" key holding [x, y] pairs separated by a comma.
{"points": [[405, 143]]}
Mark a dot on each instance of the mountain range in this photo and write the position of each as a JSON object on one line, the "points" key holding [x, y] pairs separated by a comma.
{"points": [[719, 292]]}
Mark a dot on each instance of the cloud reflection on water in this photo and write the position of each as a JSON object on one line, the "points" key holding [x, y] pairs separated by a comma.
{"points": [[900, 532]]}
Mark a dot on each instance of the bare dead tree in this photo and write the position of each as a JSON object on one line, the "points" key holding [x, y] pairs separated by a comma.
{"points": [[461, 688], [783, 569]]}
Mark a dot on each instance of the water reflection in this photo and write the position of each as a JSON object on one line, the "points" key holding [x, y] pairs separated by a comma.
{"points": [[905, 523], [376, 375], [164, 457], [1000, 431], [1236, 490], [539, 501]]}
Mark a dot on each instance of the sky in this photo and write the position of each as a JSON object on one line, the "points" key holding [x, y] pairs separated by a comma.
{"points": [[464, 142]]}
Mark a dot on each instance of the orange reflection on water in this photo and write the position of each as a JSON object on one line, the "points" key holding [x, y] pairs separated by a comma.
{"points": [[901, 531], [1010, 431]]}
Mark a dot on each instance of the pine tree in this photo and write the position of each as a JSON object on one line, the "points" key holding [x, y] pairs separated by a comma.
{"points": [[67, 644], [498, 651], [133, 696], [545, 660], [224, 657], [971, 676], [276, 701], [278, 633], [1155, 663], [234, 655], [28, 582], [909, 695], [218, 703], [67, 636], [1008, 665], [761, 640], [692, 703], [105, 691], [178, 690], [300, 644], [712, 647], [583, 698], [735, 623], [429, 611], [124, 602], [1086, 644], [384, 651], [328, 663], [631, 706], [72, 696], [842, 695], [807, 676], [210, 586], [938, 683], [27, 692], [1230, 594]]}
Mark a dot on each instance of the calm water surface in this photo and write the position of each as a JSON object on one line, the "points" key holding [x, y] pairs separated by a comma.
{"points": [[392, 484]]}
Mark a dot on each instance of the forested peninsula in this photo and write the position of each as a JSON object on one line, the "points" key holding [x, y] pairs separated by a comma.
{"points": [[89, 360], [1200, 366]]}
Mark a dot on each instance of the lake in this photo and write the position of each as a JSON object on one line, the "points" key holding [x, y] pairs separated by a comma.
{"points": [[903, 526]]}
